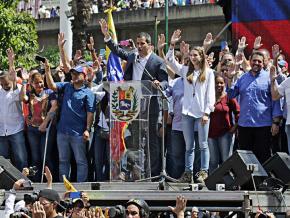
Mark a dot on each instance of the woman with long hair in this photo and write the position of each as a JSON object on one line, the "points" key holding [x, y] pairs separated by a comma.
{"points": [[198, 103]]}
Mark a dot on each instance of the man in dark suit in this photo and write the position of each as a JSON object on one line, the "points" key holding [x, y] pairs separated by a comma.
{"points": [[137, 64]]}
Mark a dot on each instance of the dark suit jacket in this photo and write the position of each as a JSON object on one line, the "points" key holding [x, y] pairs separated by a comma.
{"points": [[155, 65]]}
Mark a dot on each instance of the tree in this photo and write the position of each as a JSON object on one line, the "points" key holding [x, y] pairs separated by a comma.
{"points": [[17, 30], [82, 15]]}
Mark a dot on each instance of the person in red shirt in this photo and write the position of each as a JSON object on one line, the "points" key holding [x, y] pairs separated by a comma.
{"points": [[222, 127]]}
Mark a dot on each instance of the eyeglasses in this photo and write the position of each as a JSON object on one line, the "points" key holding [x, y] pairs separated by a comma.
{"points": [[132, 213]]}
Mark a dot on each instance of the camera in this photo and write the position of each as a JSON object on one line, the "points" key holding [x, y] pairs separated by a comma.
{"points": [[30, 199], [20, 213], [118, 211], [32, 171], [64, 205]]}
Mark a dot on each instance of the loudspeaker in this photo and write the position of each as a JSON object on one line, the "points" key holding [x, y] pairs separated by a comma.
{"points": [[236, 172], [8, 174], [278, 166]]}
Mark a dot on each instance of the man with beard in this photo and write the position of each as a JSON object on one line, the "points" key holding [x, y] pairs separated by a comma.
{"points": [[258, 111], [11, 118], [76, 118]]}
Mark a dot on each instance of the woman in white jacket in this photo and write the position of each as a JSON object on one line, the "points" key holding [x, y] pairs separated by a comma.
{"points": [[198, 103]]}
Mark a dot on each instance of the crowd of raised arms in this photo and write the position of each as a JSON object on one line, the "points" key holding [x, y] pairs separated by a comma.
{"points": [[215, 107]]}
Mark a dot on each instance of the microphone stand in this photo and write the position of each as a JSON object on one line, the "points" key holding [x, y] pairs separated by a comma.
{"points": [[163, 175]]}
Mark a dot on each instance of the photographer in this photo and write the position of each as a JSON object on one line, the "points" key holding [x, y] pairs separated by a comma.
{"points": [[137, 208], [10, 196], [46, 206]]}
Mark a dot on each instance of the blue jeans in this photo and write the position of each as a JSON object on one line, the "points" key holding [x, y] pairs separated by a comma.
{"points": [[287, 130], [37, 144], [188, 133], [220, 149], [16, 144], [65, 144], [102, 156], [175, 157]]}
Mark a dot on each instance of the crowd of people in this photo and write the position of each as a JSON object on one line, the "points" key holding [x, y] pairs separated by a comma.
{"points": [[61, 115], [99, 6]]}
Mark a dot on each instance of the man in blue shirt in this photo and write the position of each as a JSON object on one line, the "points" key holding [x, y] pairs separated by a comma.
{"points": [[76, 118], [259, 116]]}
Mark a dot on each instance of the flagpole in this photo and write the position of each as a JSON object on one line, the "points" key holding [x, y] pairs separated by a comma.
{"points": [[166, 25], [155, 35]]}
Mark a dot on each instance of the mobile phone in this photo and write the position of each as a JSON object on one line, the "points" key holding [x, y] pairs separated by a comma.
{"points": [[124, 43], [102, 52], [27, 184], [39, 58], [224, 44], [74, 195]]}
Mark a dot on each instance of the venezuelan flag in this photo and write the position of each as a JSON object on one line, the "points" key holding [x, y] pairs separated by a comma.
{"points": [[269, 19], [114, 68], [115, 73]]}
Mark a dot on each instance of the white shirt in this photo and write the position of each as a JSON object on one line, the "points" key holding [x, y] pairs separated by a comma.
{"points": [[139, 66], [284, 90], [11, 114], [199, 97]]}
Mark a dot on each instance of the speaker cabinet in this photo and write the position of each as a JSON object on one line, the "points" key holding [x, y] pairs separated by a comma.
{"points": [[8, 174], [236, 172], [278, 166]]}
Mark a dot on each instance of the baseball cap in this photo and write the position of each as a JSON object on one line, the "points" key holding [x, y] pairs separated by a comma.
{"points": [[49, 194], [3, 73], [194, 209], [79, 69], [283, 63]]}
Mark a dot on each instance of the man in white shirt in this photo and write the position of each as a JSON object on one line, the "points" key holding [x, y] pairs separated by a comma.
{"points": [[279, 91], [11, 122]]}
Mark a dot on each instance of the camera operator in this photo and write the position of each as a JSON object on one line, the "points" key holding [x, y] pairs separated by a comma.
{"points": [[137, 208], [10, 196], [46, 206]]}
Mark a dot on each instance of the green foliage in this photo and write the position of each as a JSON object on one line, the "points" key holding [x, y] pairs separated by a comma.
{"points": [[17, 30], [52, 54]]}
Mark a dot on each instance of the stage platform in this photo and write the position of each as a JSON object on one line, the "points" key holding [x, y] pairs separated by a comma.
{"points": [[109, 194]]}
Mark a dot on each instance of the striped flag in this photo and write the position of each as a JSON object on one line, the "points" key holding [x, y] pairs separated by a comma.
{"points": [[114, 68], [269, 19]]}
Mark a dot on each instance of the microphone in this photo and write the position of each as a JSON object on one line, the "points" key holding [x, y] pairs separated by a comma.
{"points": [[137, 59]]}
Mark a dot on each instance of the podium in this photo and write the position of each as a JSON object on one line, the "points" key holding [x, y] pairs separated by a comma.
{"points": [[129, 103]]}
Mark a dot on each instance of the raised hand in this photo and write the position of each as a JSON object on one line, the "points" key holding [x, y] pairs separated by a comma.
{"points": [[239, 58], [180, 205], [61, 41], [161, 42], [48, 176], [47, 66], [175, 36], [276, 51], [242, 44], [207, 41], [257, 43], [10, 55], [104, 27], [184, 49], [24, 74], [273, 73], [91, 44], [38, 210], [78, 56]]}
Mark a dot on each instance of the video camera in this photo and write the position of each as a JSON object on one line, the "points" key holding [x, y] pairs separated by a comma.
{"points": [[118, 211], [19, 214], [30, 198]]}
